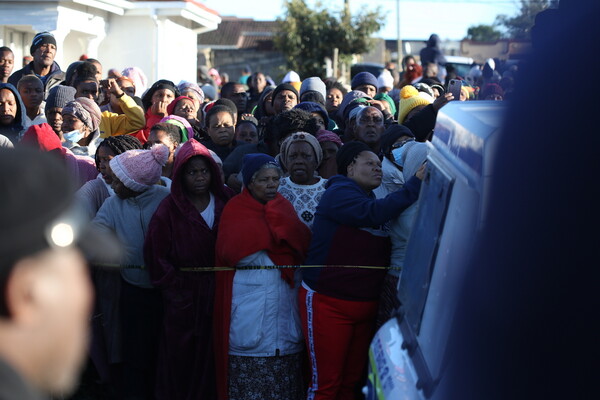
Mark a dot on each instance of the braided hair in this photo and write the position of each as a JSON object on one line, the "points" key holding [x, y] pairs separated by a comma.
{"points": [[118, 144]]}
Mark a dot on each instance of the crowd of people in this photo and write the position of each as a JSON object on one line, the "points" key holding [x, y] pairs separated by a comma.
{"points": [[218, 192]]}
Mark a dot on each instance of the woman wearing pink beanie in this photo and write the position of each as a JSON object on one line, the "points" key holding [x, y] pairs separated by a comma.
{"points": [[139, 170], [136, 174]]}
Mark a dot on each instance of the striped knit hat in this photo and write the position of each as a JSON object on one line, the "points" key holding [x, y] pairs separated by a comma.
{"points": [[40, 39]]}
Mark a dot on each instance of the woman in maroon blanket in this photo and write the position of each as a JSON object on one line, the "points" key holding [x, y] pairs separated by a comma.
{"points": [[259, 344], [181, 243]]}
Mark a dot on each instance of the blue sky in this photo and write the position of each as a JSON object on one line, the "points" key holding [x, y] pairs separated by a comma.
{"points": [[450, 19]]}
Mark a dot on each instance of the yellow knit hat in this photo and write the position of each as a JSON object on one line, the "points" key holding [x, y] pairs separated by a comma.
{"points": [[410, 98], [297, 85]]}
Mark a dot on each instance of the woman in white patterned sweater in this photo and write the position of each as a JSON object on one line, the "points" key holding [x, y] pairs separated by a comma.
{"points": [[300, 155]]}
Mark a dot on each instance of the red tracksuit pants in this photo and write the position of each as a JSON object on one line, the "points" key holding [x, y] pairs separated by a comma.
{"points": [[337, 334]]}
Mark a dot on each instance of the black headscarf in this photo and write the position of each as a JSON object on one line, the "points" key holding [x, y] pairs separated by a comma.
{"points": [[347, 153], [160, 84], [282, 87]]}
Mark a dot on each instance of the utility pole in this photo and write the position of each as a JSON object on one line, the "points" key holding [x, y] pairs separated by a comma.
{"points": [[399, 40], [347, 16]]}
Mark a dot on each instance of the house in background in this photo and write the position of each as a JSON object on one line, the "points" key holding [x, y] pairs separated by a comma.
{"points": [[414, 47], [238, 42], [503, 49], [160, 37]]}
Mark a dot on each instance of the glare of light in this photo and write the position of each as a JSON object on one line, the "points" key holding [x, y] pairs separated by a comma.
{"points": [[62, 234]]}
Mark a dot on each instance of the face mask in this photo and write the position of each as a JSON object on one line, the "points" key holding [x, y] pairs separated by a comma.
{"points": [[73, 136], [398, 152]]}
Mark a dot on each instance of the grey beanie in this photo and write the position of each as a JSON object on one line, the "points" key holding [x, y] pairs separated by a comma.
{"points": [[414, 156], [209, 91], [314, 83], [59, 96], [347, 99]]}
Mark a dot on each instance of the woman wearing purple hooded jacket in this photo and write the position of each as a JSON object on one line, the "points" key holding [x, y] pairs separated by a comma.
{"points": [[179, 252]]}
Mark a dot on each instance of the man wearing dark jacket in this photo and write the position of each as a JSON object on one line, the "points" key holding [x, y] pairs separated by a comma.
{"points": [[43, 51], [432, 52]]}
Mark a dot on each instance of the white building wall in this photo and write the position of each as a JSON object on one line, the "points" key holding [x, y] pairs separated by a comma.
{"points": [[160, 47], [18, 41], [157, 37], [178, 59], [130, 42], [20, 21], [78, 31]]}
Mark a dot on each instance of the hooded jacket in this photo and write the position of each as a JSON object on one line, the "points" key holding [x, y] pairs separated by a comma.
{"points": [[42, 137], [177, 228], [55, 77], [15, 130], [432, 52], [178, 237]]}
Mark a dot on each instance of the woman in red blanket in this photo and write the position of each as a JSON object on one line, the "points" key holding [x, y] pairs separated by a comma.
{"points": [[257, 324], [179, 244]]}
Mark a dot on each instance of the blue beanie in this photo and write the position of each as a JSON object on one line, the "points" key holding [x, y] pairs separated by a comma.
{"points": [[313, 107], [364, 78], [253, 162]]}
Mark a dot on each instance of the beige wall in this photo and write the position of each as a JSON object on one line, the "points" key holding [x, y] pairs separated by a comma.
{"points": [[502, 49]]}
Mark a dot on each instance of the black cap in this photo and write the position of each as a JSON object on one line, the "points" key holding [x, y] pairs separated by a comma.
{"points": [[284, 86]]}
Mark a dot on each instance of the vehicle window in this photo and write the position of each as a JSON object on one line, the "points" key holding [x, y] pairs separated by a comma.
{"points": [[422, 248]]}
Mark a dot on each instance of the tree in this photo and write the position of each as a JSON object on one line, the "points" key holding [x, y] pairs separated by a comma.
{"points": [[306, 36], [483, 33], [519, 26]]}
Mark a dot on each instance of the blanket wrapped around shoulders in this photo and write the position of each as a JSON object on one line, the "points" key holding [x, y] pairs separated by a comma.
{"points": [[246, 227]]}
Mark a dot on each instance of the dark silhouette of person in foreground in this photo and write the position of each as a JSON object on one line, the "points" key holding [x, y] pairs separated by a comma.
{"points": [[528, 311]]}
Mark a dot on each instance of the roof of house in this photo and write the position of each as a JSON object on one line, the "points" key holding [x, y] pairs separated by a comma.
{"points": [[240, 33], [195, 2]]}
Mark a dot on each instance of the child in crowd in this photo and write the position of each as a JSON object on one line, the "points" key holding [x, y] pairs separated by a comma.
{"points": [[31, 89]]}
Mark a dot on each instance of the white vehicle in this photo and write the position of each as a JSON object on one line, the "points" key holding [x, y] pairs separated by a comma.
{"points": [[462, 65], [408, 353]]}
